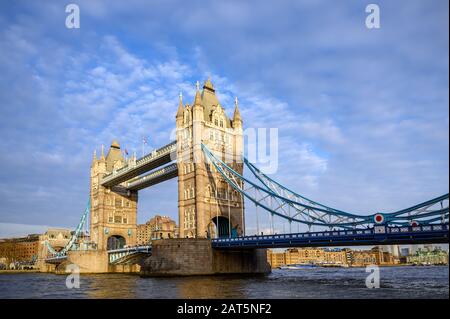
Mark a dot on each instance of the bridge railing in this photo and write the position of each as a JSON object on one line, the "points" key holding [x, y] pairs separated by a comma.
{"points": [[146, 248], [159, 172], [369, 231], [115, 255], [163, 151]]}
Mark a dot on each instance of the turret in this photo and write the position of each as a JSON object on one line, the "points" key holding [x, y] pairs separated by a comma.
{"points": [[198, 97], [237, 119], [94, 159], [180, 111]]}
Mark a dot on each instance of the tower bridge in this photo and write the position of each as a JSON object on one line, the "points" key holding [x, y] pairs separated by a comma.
{"points": [[207, 159]]}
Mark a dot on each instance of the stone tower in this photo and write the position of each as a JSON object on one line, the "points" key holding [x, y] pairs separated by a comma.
{"points": [[207, 206], [113, 210]]}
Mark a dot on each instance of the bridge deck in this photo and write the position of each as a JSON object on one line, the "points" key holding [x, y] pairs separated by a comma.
{"points": [[150, 161], [153, 178], [378, 235]]}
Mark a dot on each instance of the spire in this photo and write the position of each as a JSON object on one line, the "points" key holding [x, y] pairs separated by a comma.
{"points": [[180, 106], [208, 84], [102, 157], [237, 114], [115, 144], [198, 99], [95, 155]]}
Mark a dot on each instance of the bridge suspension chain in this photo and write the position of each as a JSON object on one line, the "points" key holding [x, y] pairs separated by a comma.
{"points": [[74, 236], [278, 200]]}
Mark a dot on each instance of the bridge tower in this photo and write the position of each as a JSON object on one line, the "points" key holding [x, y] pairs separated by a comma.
{"points": [[207, 206], [113, 210]]}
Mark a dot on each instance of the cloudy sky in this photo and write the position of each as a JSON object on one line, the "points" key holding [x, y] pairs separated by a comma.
{"points": [[362, 113]]}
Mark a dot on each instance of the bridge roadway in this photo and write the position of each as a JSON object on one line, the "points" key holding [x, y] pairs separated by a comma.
{"points": [[150, 161], [378, 235]]}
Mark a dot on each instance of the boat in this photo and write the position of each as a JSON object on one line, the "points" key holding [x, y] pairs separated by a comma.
{"points": [[298, 266]]}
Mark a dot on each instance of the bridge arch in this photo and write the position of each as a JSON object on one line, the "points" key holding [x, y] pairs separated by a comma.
{"points": [[221, 226], [115, 242]]}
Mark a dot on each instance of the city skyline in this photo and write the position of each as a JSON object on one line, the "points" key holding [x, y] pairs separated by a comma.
{"points": [[357, 117]]}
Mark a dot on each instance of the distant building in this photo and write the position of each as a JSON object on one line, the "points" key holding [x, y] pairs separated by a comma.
{"points": [[23, 249], [276, 259], [330, 257], [426, 256], [158, 227], [404, 252]]}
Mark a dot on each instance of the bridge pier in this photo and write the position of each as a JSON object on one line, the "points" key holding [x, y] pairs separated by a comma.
{"points": [[93, 262], [195, 256]]}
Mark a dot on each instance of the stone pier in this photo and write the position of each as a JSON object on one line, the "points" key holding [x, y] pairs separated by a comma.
{"points": [[91, 262], [186, 257]]}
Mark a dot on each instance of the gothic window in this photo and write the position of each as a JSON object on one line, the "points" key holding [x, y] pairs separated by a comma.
{"points": [[118, 219], [125, 220], [221, 123], [216, 122]]}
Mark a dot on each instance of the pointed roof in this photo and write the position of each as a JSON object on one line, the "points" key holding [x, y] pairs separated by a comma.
{"points": [[180, 106], [198, 97], [102, 156], [236, 114], [115, 144], [208, 85], [114, 155]]}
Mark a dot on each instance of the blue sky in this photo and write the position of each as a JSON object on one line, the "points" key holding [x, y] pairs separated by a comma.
{"points": [[362, 113]]}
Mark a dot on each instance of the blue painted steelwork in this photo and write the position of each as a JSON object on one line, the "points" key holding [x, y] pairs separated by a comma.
{"points": [[378, 235], [56, 259], [118, 256], [278, 200], [154, 159], [74, 237]]}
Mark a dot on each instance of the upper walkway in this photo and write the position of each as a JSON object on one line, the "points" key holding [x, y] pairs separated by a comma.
{"points": [[144, 164]]}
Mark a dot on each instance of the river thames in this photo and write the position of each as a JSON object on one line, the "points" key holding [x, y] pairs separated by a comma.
{"points": [[395, 282]]}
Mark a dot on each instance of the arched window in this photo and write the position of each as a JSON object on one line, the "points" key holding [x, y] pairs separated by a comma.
{"points": [[221, 123]]}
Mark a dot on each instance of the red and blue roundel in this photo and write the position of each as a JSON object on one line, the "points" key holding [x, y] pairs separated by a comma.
{"points": [[378, 218], [414, 223]]}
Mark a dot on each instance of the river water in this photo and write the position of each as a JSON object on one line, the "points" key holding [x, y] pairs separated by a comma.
{"points": [[395, 282]]}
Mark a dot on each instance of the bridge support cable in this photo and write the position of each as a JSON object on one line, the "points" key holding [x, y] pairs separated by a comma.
{"points": [[279, 200], [75, 235], [408, 215], [280, 206]]}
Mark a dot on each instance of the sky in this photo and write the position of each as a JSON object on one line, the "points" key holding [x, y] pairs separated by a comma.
{"points": [[362, 114]]}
